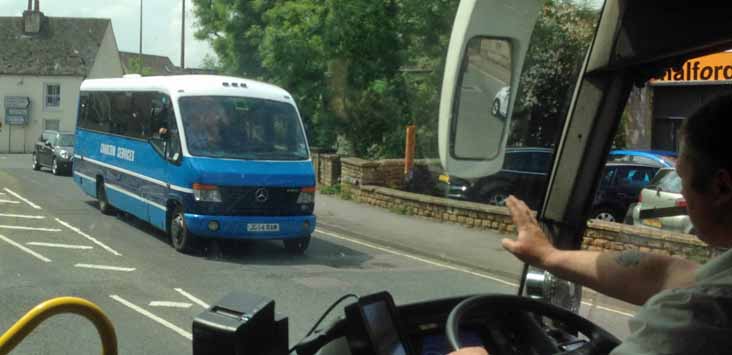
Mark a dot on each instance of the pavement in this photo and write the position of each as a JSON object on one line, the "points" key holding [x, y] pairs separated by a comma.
{"points": [[452, 243], [55, 242]]}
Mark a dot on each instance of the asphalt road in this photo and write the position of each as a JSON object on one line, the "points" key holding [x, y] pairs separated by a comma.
{"points": [[55, 242]]}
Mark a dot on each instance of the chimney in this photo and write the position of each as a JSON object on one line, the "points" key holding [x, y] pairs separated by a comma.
{"points": [[32, 19]]}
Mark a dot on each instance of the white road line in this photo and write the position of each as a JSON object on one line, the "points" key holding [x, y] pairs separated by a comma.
{"points": [[22, 198], [24, 228], [90, 238], [413, 257], [170, 304], [54, 245], [446, 266], [191, 297], [9, 201], [21, 247], [145, 313], [105, 267], [20, 216]]}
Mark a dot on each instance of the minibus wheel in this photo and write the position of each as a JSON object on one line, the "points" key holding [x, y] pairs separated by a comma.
{"points": [[104, 205], [296, 246], [181, 239]]}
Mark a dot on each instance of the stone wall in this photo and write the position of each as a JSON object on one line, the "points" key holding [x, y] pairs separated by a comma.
{"points": [[599, 235], [469, 214], [607, 236], [358, 172], [330, 170]]}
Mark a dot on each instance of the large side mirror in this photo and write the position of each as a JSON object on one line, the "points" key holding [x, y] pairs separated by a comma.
{"points": [[487, 48]]}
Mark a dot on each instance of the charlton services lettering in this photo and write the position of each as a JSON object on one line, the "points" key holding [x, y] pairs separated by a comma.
{"points": [[119, 152], [691, 71]]}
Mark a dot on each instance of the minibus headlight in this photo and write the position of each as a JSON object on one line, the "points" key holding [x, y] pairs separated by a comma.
{"points": [[307, 195], [206, 193]]}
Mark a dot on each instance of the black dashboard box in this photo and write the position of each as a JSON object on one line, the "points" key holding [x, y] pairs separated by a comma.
{"points": [[241, 324]]}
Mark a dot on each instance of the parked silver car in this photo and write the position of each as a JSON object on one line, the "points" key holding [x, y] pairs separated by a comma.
{"points": [[662, 192]]}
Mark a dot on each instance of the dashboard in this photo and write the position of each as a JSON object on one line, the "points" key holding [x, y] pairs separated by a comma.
{"points": [[376, 326]]}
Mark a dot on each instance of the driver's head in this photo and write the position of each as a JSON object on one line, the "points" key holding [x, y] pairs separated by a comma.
{"points": [[705, 167]]}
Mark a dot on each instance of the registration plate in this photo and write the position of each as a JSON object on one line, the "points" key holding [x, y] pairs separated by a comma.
{"points": [[263, 227], [652, 222]]}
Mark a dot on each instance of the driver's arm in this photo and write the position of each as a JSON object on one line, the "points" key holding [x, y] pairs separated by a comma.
{"points": [[470, 351], [631, 276]]}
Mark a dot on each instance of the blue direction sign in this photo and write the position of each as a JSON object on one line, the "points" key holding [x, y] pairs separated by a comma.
{"points": [[17, 110]]}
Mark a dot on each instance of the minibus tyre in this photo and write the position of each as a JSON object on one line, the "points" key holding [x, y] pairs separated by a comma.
{"points": [[181, 239], [296, 246], [36, 166], [104, 205], [54, 167]]}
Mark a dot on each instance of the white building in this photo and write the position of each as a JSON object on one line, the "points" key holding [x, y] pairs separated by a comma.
{"points": [[43, 61]]}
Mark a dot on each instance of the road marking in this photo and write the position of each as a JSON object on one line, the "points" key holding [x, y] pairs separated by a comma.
{"points": [[145, 313], [414, 257], [446, 266], [105, 267], [9, 201], [170, 304], [589, 304], [20, 216], [90, 238], [22, 198], [3, 226], [191, 297], [21, 247], [54, 245]]}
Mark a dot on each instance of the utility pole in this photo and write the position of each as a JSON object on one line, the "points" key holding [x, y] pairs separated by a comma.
{"points": [[140, 54], [183, 37]]}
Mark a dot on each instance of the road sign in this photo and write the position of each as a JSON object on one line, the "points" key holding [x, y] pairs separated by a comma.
{"points": [[17, 101], [17, 110]]}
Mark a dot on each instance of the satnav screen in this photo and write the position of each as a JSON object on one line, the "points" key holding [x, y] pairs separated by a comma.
{"points": [[383, 331]]}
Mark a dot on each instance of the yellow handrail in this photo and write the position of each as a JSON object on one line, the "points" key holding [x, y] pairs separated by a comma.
{"points": [[52, 307]]}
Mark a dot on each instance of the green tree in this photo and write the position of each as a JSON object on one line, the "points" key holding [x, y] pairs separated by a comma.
{"points": [[560, 40], [134, 65], [343, 61]]}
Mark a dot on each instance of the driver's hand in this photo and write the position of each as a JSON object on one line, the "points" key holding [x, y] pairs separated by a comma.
{"points": [[470, 351], [531, 246]]}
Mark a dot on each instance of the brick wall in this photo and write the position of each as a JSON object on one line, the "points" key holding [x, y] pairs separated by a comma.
{"points": [[599, 235], [358, 172], [330, 170]]}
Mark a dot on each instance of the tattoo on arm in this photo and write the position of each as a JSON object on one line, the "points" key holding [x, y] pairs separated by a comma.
{"points": [[629, 258]]}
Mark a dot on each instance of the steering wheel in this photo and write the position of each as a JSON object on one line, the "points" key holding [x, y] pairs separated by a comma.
{"points": [[600, 341]]}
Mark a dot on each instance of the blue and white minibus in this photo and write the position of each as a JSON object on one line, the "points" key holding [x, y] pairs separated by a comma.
{"points": [[197, 156]]}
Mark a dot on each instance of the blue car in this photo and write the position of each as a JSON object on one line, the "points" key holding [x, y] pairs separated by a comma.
{"points": [[658, 158]]}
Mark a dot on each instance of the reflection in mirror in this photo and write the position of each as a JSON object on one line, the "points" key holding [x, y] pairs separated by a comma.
{"points": [[483, 99]]}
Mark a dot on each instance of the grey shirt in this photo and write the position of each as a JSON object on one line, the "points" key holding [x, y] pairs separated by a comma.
{"points": [[695, 320]]}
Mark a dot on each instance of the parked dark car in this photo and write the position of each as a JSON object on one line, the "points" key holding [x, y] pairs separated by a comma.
{"points": [[620, 185], [524, 173], [54, 150]]}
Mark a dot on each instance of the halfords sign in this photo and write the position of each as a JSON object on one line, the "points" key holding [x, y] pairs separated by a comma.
{"points": [[17, 110], [712, 67]]}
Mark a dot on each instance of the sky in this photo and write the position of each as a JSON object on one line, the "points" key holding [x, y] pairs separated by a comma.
{"points": [[161, 24]]}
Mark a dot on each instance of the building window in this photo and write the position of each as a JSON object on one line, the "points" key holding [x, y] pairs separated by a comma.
{"points": [[51, 125], [53, 95]]}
